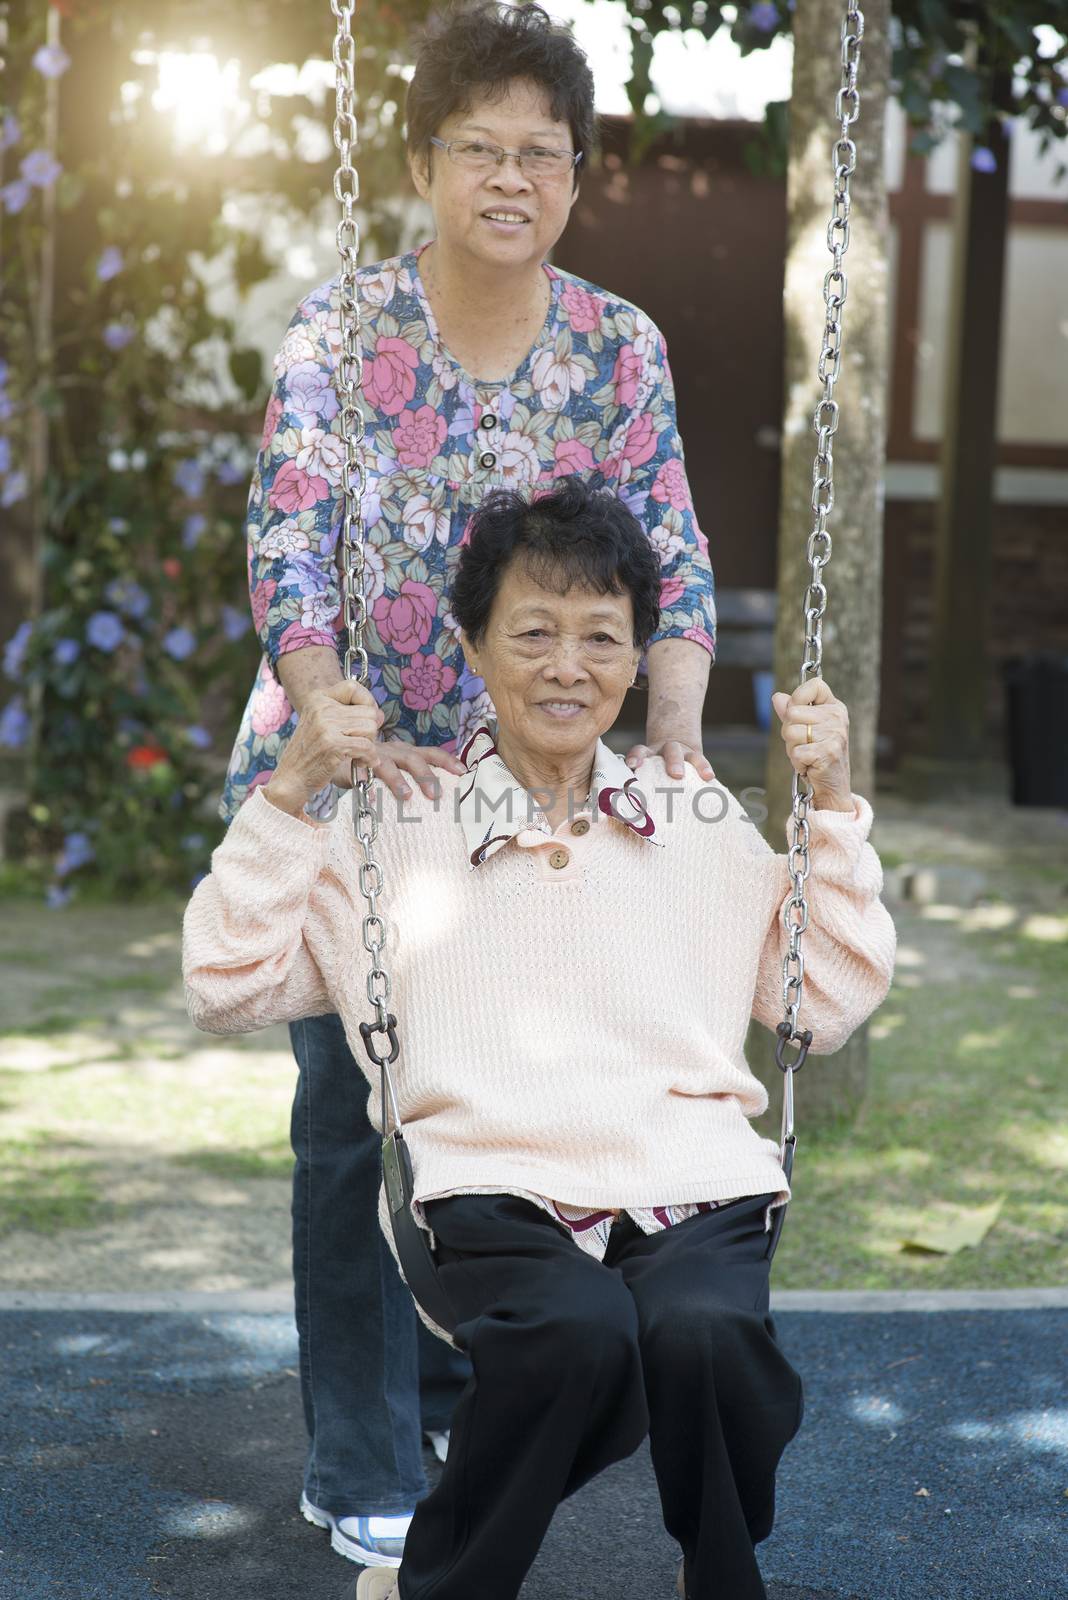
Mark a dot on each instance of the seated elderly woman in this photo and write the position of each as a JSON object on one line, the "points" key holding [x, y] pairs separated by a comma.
{"points": [[576, 951]]}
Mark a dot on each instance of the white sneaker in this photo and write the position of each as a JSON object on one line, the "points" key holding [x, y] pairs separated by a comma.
{"points": [[439, 1443], [377, 1585], [372, 1541]]}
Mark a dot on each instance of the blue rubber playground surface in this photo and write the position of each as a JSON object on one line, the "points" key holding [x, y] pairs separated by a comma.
{"points": [[159, 1453]]}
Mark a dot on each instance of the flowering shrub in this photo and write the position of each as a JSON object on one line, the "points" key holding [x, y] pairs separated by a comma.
{"points": [[129, 416], [129, 421]]}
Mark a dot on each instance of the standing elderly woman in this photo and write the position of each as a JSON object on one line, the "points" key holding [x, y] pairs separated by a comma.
{"points": [[484, 368], [574, 979]]}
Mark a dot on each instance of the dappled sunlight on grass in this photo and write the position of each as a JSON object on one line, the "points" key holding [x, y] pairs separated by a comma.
{"points": [[885, 1022], [988, 918], [1049, 929], [1046, 1145], [992, 1040], [26, 1053], [49, 1184], [940, 913], [154, 945], [190, 1132], [274, 1161]]}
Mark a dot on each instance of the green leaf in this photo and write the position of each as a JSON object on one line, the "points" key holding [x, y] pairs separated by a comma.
{"points": [[246, 369], [251, 262]]}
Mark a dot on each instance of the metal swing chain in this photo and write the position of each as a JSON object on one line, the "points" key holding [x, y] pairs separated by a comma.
{"points": [[348, 379], [825, 424]]}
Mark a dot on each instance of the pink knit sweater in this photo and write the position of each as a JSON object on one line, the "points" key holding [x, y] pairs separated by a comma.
{"points": [[574, 1028]]}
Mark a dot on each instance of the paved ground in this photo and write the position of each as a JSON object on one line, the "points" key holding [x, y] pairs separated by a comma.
{"points": [[157, 1453]]}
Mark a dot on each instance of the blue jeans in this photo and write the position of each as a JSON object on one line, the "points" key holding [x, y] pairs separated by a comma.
{"points": [[372, 1377]]}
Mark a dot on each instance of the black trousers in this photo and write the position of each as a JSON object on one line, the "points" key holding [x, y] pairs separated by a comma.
{"points": [[575, 1361]]}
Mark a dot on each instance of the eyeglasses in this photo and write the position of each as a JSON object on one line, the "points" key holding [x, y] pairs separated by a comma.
{"points": [[537, 161]]}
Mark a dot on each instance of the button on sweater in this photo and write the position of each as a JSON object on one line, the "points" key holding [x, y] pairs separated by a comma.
{"points": [[578, 1032]]}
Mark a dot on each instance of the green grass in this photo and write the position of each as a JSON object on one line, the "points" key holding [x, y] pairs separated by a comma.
{"points": [[52, 1023], [46, 1185], [966, 1102], [966, 1099], [267, 1161]]}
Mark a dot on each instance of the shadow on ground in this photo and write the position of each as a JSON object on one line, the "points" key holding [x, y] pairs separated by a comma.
{"points": [[159, 1454]]}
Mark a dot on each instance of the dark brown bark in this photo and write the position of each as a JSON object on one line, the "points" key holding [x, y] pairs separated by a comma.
{"points": [[960, 654]]}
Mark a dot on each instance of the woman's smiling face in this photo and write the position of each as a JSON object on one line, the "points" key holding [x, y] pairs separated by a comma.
{"points": [[556, 666], [502, 216]]}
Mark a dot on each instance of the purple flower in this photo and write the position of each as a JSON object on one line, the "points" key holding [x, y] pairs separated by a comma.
{"points": [[189, 477], [4, 369], [235, 624], [198, 737], [179, 644], [5, 456], [192, 841], [6, 408], [77, 851], [192, 528], [65, 652], [14, 724], [229, 472], [11, 133], [984, 160], [56, 897], [764, 16], [15, 650], [311, 579], [15, 489], [104, 631], [51, 60], [463, 421], [311, 394], [117, 336], [1062, 97], [634, 500], [110, 263], [196, 878], [40, 168], [15, 196], [129, 597]]}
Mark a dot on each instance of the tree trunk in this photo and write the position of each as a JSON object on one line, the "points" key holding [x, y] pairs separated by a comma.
{"points": [[957, 751], [832, 1088]]}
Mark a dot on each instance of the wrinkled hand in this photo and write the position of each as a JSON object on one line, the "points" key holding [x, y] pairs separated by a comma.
{"points": [[396, 757], [337, 726], [824, 760], [675, 753]]}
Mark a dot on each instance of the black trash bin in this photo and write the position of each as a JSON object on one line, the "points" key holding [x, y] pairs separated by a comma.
{"points": [[1036, 694]]}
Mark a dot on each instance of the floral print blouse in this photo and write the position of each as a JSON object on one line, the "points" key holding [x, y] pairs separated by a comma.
{"points": [[593, 396]]}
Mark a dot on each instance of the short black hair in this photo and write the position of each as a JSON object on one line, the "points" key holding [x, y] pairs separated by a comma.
{"points": [[480, 48], [573, 535]]}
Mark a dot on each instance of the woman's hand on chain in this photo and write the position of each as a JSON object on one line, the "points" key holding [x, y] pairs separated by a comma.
{"points": [[396, 757], [338, 725], [822, 758]]}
